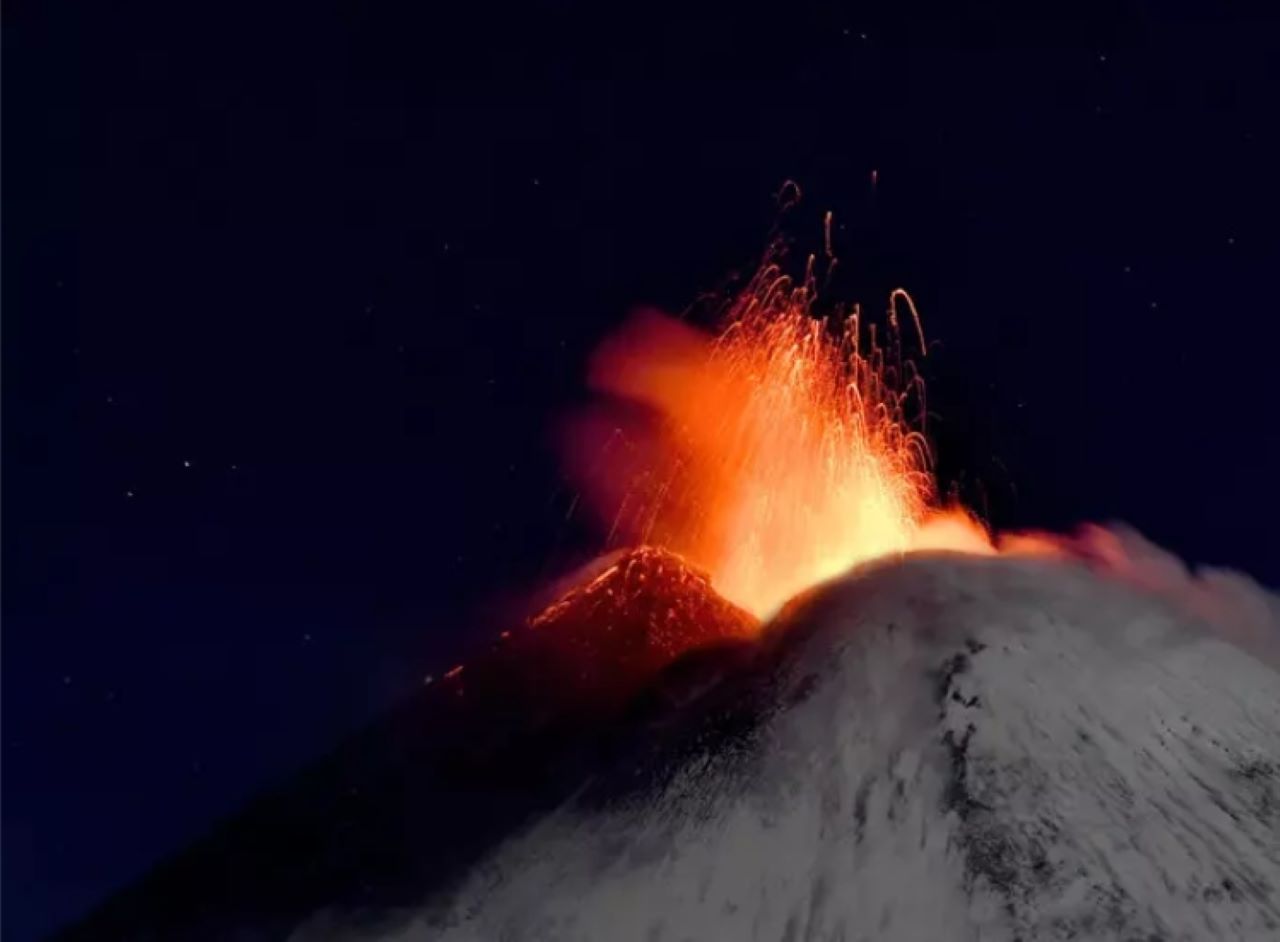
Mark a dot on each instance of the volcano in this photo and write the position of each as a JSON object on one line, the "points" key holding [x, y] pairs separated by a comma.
{"points": [[931, 747], [424, 791]]}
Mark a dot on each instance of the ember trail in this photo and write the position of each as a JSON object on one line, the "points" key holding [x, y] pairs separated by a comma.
{"points": [[774, 455]]}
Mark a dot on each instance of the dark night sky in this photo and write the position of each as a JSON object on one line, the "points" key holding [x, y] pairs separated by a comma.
{"points": [[291, 304]]}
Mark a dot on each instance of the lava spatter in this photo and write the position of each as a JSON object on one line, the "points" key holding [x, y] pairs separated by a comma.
{"points": [[775, 454]]}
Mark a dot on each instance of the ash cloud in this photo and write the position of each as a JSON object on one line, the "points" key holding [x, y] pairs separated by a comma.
{"points": [[1233, 604]]}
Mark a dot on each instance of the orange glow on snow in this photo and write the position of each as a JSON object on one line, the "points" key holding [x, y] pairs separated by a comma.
{"points": [[775, 455]]}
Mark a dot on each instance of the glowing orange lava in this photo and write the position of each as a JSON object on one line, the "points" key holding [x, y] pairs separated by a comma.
{"points": [[775, 455]]}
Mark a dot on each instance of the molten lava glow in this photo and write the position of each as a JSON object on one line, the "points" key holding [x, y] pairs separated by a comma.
{"points": [[775, 455]]}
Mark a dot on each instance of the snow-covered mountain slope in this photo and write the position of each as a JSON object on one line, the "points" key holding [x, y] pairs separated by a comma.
{"points": [[941, 748]]}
